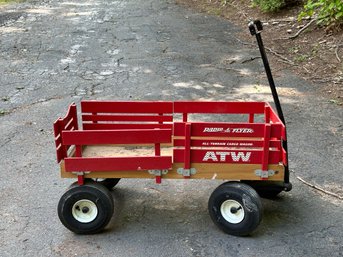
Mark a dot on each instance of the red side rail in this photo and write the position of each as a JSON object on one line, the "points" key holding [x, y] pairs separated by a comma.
{"points": [[148, 136], [109, 115]]}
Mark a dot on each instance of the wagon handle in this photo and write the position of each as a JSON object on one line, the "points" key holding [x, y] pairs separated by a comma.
{"points": [[256, 28]]}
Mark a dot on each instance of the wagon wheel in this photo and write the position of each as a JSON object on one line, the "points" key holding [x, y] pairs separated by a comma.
{"points": [[235, 208], [266, 189], [86, 209], [109, 183]]}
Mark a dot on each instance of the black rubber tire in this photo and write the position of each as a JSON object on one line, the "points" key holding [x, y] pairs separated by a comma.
{"points": [[109, 183], [247, 199], [266, 189], [94, 193]]}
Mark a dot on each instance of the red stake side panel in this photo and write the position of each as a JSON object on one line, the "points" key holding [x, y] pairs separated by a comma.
{"points": [[94, 137], [117, 163], [107, 122]]}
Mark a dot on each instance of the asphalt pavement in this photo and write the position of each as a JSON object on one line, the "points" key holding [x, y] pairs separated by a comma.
{"points": [[53, 53]]}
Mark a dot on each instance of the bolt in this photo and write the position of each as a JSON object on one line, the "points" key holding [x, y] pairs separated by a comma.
{"points": [[234, 210], [85, 209]]}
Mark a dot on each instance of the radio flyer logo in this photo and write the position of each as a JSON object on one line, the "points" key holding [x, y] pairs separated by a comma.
{"points": [[229, 130]]}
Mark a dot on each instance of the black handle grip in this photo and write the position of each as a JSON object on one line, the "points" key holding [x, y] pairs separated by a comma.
{"points": [[255, 27]]}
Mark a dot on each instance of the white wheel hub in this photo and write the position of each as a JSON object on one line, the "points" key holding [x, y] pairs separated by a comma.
{"points": [[232, 211], [84, 211]]}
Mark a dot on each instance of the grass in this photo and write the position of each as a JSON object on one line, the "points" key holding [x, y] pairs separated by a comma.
{"points": [[10, 1]]}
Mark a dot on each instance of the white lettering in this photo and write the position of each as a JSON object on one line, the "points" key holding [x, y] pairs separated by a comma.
{"points": [[235, 156], [210, 156], [213, 130], [223, 155], [240, 155], [242, 130]]}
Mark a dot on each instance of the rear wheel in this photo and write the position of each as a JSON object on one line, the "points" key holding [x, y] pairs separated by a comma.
{"points": [[109, 183], [235, 208], [266, 189], [86, 209]]}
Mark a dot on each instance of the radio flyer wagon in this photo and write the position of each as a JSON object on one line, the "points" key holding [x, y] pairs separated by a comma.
{"points": [[158, 140]]}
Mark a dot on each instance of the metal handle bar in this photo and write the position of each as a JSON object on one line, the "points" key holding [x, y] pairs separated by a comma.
{"points": [[256, 28]]}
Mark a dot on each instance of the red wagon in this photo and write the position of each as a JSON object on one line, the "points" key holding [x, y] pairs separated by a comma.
{"points": [[169, 140]]}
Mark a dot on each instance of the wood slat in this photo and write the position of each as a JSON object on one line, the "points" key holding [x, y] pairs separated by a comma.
{"points": [[117, 163], [219, 107], [207, 129], [226, 143], [126, 107], [123, 118], [94, 137], [229, 156], [110, 126]]}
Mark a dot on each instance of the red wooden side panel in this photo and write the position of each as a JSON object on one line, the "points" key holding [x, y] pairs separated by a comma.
{"points": [[227, 156], [92, 137], [219, 107], [118, 163], [114, 126], [126, 107], [69, 122]]}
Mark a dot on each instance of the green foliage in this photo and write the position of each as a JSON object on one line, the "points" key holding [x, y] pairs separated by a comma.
{"points": [[328, 12], [274, 5], [9, 1], [269, 5]]}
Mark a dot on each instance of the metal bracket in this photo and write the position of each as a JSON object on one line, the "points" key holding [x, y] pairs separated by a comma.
{"points": [[186, 172], [80, 173], [264, 173], [158, 172]]}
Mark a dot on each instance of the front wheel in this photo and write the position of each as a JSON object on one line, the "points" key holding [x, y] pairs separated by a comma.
{"points": [[235, 208], [86, 209]]}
